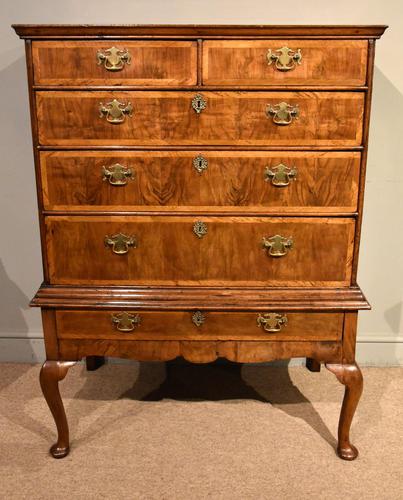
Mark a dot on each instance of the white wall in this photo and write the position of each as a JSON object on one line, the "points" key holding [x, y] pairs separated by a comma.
{"points": [[381, 262]]}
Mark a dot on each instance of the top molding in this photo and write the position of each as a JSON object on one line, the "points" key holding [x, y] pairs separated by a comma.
{"points": [[88, 31]]}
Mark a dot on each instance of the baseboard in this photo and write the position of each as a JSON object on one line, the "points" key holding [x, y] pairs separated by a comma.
{"points": [[22, 350], [371, 351], [380, 351]]}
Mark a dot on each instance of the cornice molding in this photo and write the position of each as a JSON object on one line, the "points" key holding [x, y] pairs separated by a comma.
{"points": [[87, 31]]}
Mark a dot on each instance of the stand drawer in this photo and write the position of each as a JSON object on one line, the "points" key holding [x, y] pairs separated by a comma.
{"points": [[198, 325]]}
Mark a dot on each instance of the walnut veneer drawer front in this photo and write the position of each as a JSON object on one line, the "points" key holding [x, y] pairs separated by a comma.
{"points": [[205, 250], [198, 325], [311, 182], [115, 63], [210, 118], [284, 62]]}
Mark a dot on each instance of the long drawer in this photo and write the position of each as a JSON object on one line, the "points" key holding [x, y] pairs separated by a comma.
{"points": [[171, 250], [178, 118], [142, 62], [198, 325], [296, 182], [284, 62]]}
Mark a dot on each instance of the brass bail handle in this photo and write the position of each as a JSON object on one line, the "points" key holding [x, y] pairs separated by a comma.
{"points": [[125, 322], [117, 174], [280, 175], [272, 322], [277, 245], [284, 59], [114, 111], [120, 243], [113, 59], [282, 113]]}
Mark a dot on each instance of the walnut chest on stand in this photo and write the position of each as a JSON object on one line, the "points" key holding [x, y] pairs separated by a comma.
{"points": [[200, 193]]}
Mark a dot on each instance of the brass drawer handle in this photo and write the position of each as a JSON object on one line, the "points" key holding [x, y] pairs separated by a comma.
{"points": [[282, 113], [117, 174], [200, 163], [272, 322], [120, 243], [277, 246], [115, 111], [125, 322], [281, 175], [113, 59], [198, 318], [200, 228], [199, 103], [285, 59]]}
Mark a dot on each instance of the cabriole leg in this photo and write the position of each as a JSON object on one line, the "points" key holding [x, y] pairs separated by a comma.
{"points": [[52, 373], [349, 375]]}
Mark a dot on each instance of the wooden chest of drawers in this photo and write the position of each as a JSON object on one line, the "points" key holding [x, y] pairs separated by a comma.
{"points": [[200, 193]]}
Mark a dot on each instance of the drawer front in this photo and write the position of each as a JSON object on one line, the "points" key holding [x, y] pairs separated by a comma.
{"points": [[184, 250], [229, 118], [197, 325], [207, 180], [285, 62], [128, 63]]}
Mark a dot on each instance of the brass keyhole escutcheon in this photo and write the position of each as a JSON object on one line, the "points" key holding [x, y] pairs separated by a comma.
{"points": [[277, 246], [281, 175], [285, 59], [199, 103], [200, 163], [271, 322], [200, 228], [125, 322], [198, 318], [115, 111], [117, 174], [113, 59], [282, 113], [120, 243]]}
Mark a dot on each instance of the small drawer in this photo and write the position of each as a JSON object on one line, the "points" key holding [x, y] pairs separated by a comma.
{"points": [[205, 250], [263, 118], [199, 325], [115, 62], [286, 182], [285, 62]]}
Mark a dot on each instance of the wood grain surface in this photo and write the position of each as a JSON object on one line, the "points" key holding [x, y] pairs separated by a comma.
{"points": [[152, 63], [179, 325], [168, 251], [200, 352], [230, 118], [244, 62], [166, 298], [326, 182]]}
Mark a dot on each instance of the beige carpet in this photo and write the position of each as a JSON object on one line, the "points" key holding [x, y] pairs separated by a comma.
{"points": [[203, 431]]}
